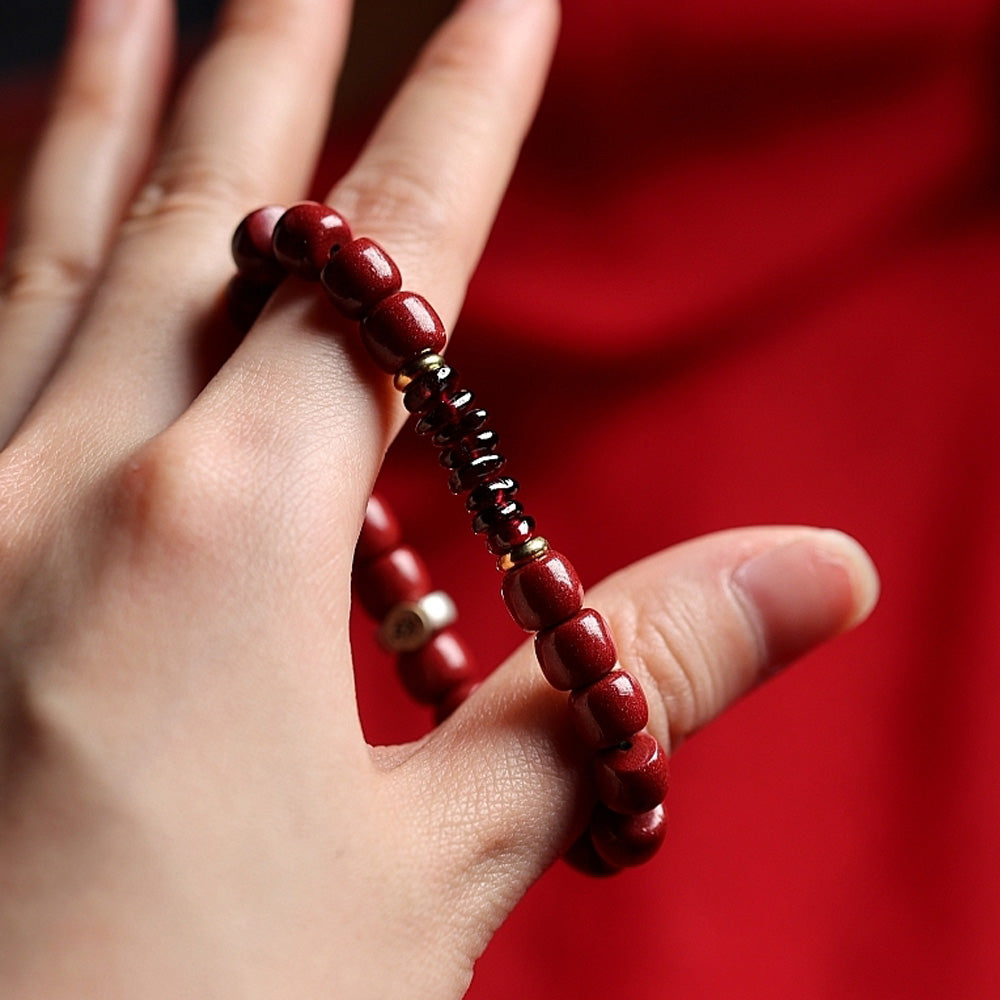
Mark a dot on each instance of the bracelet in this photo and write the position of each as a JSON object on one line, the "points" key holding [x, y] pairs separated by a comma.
{"points": [[542, 592]]}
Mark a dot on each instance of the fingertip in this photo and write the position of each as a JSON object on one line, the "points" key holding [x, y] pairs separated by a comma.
{"points": [[804, 591]]}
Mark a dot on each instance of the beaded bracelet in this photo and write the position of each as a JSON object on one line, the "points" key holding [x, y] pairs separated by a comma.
{"points": [[573, 645]]}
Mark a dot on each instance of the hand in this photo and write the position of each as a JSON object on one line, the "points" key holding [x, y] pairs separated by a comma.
{"points": [[187, 805]]}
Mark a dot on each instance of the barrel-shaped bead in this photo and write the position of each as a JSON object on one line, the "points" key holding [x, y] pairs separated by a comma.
{"points": [[358, 276], [634, 777], [623, 840], [391, 578], [543, 592], [584, 858], [305, 236], [380, 530], [253, 252], [399, 328], [610, 710], [436, 668], [577, 652]]}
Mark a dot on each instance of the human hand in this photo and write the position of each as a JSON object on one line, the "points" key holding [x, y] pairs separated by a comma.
{"points": [[187, 804]]}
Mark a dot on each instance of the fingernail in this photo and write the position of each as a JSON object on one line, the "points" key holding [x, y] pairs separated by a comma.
{"points": [[806, 591]]}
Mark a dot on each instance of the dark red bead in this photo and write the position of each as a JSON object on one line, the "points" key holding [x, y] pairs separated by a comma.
{"points": [[491, 518], [480, 443], [448, 432], [584, 858], [380, 531], [252, 251], [634, 777], [610, 710], [431, 672], [453, 699], [543, 592], [245, 298], [577, 652], [305, 236], [428, 388], [627, 840], [467, 476], [359, 276], [514, 532], [450, 411], [495, 493], [399, 328], [395, 576]]}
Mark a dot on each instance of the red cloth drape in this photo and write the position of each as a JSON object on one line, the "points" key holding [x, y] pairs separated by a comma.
{"points": [[749, 271]]}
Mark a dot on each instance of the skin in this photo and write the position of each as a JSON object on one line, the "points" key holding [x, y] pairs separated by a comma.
{"points": [[187, 805]]}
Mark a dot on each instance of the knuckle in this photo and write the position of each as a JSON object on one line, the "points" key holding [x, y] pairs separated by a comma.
{"points": [[37, 273], [179, 499]]}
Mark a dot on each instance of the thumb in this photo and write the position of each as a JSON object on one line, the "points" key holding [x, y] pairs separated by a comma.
{"points": [[502, 786]]}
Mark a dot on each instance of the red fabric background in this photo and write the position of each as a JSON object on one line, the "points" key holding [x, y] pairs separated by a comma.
{"points": [[749, 271]]}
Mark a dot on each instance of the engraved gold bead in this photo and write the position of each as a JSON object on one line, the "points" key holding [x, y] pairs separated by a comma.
{"points": [[424, 363], [526, 552], [410, 624]]}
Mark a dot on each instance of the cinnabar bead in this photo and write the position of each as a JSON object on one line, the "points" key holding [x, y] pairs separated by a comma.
{"points": [[358, 276], [380, 531], [447, 705], [610, 710], [395, 576], [470, 447], [577, 652], [428, 388], [627, 840], [245, 298], [584, 858], [448, 412], [543, 592], [446, 433], [305, 236], [252, 249], [634, 777], [431, 672], [511, 533], [467, 476], [495, 493], [399, 328]]}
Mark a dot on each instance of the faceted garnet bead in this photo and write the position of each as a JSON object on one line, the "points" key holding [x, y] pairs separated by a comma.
{"points": [[627, 840], [577, 652], [431, 672], [305, 236], [399, 328], [634, 777], [473, 472], [395, 576], [252, 249], [359, 276], [480, 443], [450, 412], [380, 531], [448, 432], [516, 531], [494, 493], [428, 388], [610, 710], [543, 592]]}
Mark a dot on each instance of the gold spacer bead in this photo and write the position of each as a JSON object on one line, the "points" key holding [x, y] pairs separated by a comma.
{"points": [[526, 552], [424, 363]]}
